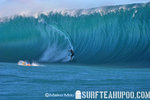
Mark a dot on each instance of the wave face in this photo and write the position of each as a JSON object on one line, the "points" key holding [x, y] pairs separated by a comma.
{"points": [[100, 35]]}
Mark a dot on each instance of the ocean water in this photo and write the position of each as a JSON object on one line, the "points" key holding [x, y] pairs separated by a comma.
{"points": [[111, 46], [31, 83]]}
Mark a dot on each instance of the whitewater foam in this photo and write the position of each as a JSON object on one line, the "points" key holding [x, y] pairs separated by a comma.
{"points": [[75, 12]]}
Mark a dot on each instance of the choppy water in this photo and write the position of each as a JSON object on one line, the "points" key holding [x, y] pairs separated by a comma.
{"points": [[20, 82]]}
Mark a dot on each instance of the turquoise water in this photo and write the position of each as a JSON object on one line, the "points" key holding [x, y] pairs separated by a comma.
{"points": [[20, 82], [97, 36]]}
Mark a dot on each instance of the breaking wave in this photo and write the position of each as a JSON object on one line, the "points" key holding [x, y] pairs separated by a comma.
{"points": [[98, 35]]}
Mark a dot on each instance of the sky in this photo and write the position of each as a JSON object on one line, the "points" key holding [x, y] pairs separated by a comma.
{"points": [[11, 7]]}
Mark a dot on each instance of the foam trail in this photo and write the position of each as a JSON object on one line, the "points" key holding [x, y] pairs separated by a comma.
{"points": [[54, 53]]}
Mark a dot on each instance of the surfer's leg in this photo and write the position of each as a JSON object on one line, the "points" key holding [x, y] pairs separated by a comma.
{"points": [[71, 57]]}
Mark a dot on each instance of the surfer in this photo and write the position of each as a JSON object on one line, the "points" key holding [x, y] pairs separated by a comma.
{"points": [[72, 53]]}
